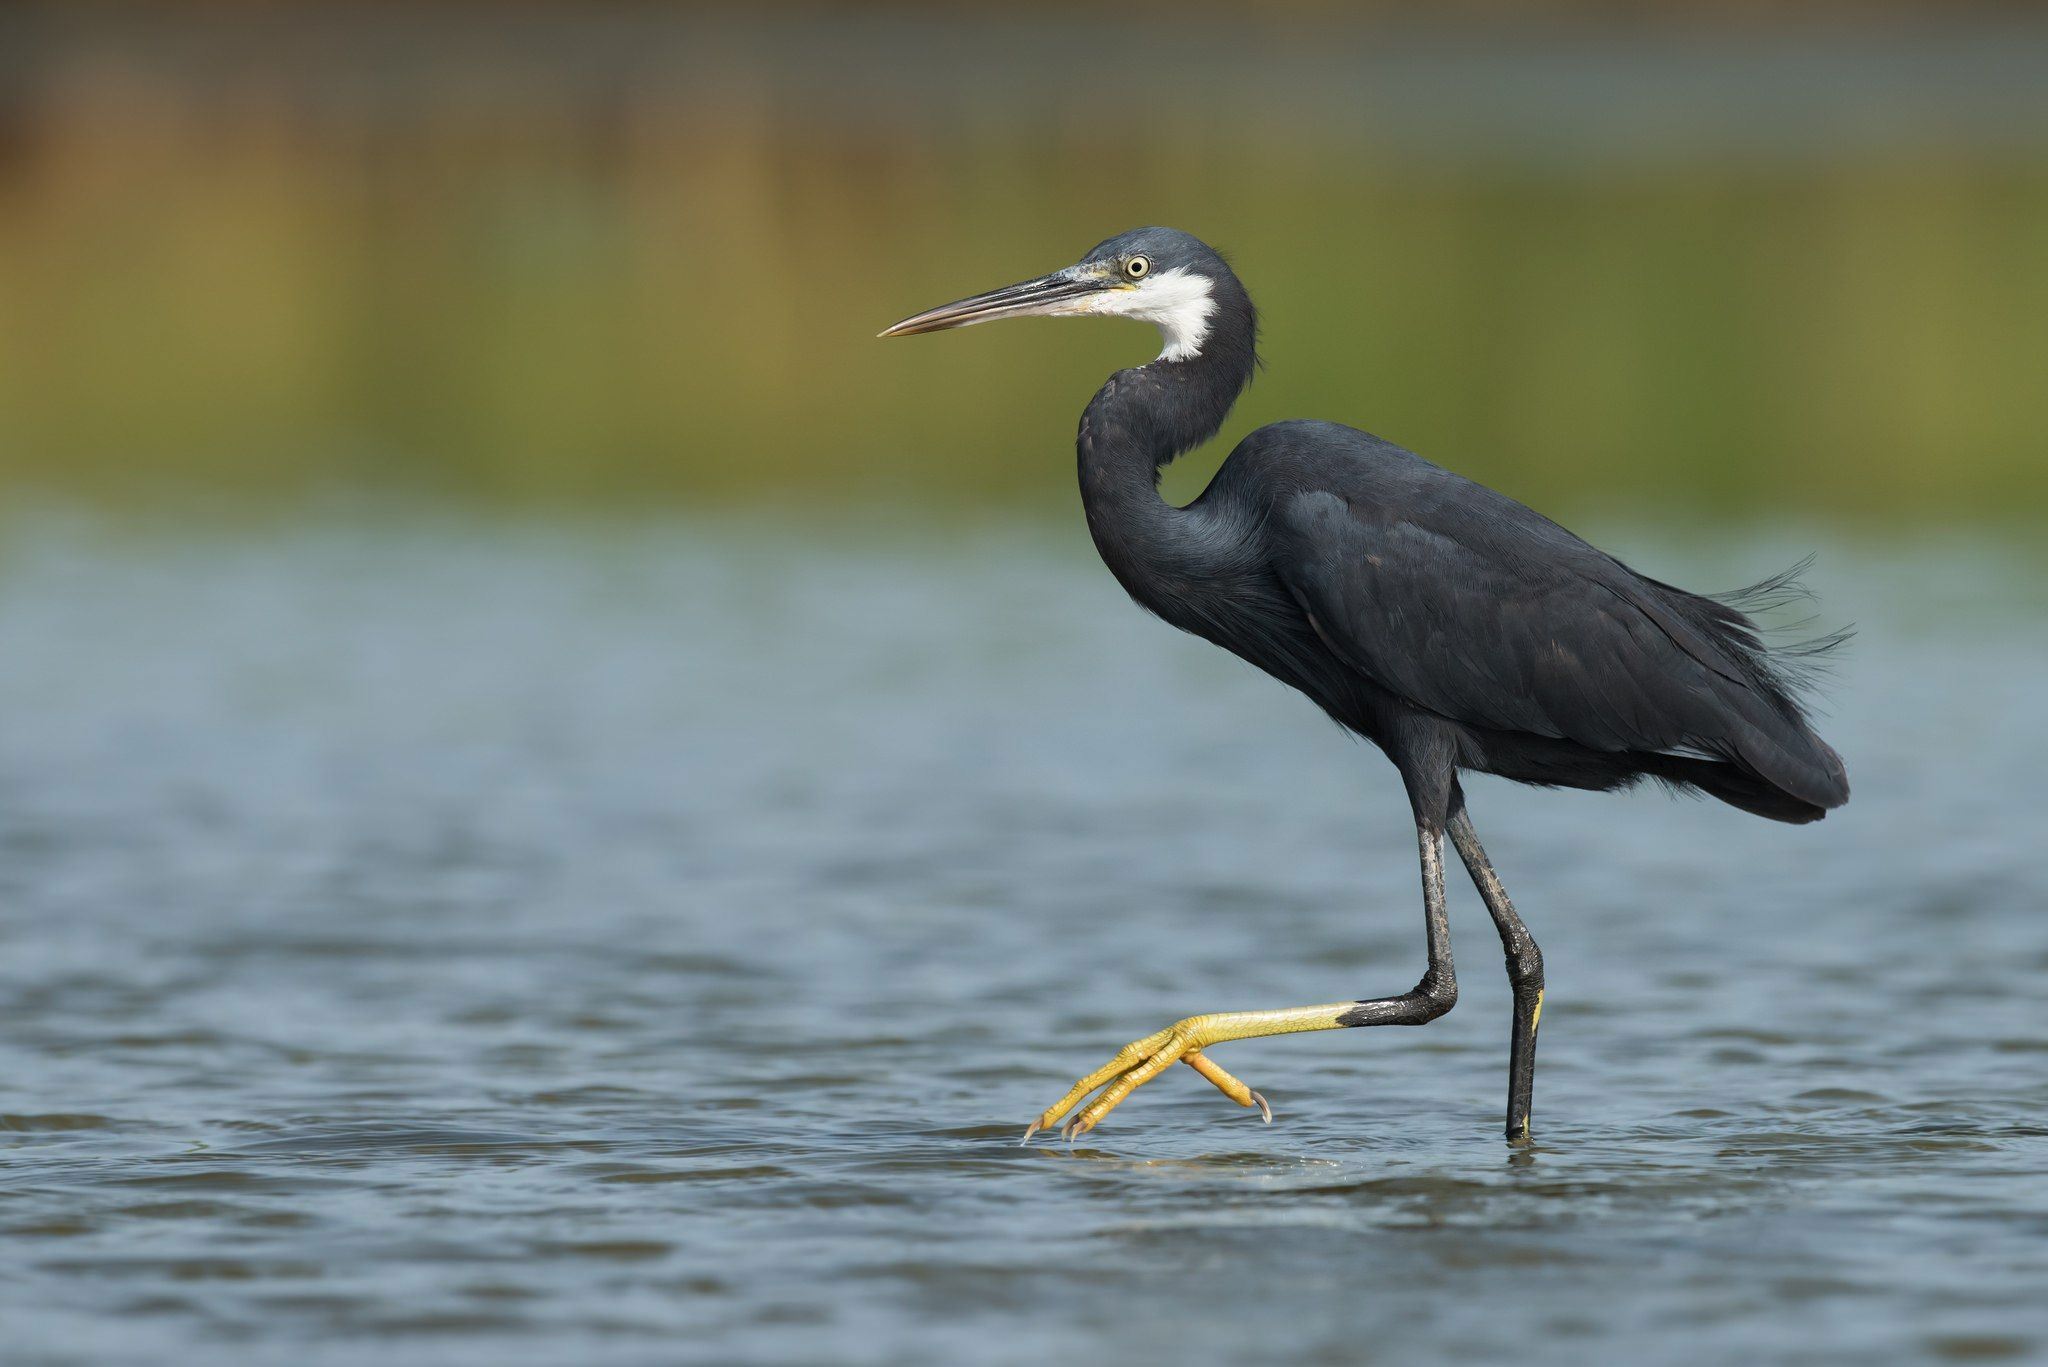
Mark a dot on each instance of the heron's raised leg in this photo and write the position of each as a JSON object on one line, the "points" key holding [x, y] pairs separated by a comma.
{"points": [[1184, 1041], [1525, 965]]}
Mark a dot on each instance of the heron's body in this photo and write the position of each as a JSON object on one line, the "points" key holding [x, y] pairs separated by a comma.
{"points": [[1453, 627]]}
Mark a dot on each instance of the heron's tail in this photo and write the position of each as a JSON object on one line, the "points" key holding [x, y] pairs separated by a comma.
{"points": [[1738, 787], [1768, 759]]}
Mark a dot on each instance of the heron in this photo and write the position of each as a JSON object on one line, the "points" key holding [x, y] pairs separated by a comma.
{"points": [[1451, 626]]}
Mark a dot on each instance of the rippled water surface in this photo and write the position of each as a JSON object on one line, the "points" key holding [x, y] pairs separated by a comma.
{"points": [[637, 945]]}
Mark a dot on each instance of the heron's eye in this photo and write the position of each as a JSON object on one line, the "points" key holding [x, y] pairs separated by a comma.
{"points": [[1136, 267]]}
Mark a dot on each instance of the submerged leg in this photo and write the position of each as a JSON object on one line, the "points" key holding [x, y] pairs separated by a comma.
{"points": [[1142, 1060], [1525, 965]]}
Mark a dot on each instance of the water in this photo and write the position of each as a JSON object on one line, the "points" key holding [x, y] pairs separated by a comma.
{"points": [[642, 944]]}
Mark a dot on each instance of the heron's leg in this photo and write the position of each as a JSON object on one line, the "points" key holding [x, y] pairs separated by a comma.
{"points": [[1525, 965], [1142, 1060]]}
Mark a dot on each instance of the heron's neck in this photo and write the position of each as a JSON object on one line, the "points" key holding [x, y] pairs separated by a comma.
{"points": [[1141, 420]]}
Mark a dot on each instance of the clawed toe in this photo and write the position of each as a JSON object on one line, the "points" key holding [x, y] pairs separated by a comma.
{"points": [[1133, 1066]]}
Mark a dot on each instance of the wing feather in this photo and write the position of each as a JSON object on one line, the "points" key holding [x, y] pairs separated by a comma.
{"points": [[1471, 606]]}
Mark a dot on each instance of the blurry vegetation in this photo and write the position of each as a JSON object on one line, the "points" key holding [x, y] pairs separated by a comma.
{"points": [[520, 289]]}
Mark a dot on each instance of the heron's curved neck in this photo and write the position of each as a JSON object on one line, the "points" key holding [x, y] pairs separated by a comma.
{"points": [[1143, 418]]}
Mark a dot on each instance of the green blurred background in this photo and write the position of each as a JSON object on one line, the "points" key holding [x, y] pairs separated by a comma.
{"points": [[1722, 260]]}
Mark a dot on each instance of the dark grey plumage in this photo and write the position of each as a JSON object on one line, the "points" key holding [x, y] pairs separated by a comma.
{"points": [[1452, 626]]}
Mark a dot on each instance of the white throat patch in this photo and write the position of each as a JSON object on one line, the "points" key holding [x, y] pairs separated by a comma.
{"points": [[1176, 301]]}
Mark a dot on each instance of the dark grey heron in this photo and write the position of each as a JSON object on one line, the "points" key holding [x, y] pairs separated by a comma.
{"points": [[1448, 624]]}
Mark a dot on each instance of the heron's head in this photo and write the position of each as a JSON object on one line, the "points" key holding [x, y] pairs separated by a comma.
{"points": [[1158, 275]]}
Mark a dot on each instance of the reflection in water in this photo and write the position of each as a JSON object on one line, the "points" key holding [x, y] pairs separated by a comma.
{"points": [[539, 946]]}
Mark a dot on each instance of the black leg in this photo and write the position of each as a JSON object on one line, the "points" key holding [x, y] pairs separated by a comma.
{"points": [[1525, 965], [1142, 1060], [1438, 990]]}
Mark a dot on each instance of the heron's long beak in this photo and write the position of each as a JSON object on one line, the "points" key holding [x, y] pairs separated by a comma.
{"points": [[1060, 292]]}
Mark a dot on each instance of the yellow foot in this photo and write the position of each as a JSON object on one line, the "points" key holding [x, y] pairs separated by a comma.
{"points": [[1134, 1065], [1228, 1085], [1138, 1062]]}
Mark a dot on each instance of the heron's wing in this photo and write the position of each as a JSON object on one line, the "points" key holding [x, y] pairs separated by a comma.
{"points": [[1472, 606]]}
